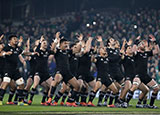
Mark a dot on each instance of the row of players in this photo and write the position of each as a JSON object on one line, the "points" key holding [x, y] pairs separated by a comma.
{"points": [[73, 64]]}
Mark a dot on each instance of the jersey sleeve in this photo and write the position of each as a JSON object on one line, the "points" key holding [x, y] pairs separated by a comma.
{"points": [[20, 50], [6, 48], [51, 52], [38, 47], [150, 53]]}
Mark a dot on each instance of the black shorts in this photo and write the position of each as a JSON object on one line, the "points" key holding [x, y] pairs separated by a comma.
{"points": [[105, 79], [117, 76], [86, 77], [13, 74], [130, 77], [31, 74], [1, 74], [145, 78], [67, 75], [101, 76], [43, 76]]}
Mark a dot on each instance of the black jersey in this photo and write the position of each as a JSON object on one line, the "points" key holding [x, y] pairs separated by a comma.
{"points": [[33, 63], [62, 60], [42, 60], [11, 61], [114, 60], [141, 60], [129, 66], [84, 63], [2, 64], [102, 64], [73, 61]]}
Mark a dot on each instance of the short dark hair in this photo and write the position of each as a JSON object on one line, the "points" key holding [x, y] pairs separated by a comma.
{"points": [[108, 41], [11, 36], [63, 40], [72, 44]]}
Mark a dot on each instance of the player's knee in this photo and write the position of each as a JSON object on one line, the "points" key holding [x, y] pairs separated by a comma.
{"points": [[137, 83], [83, 89], [145, 90], [156, 88], [77, 87], [123, 84], [115, 90], [7, 79], [20, 81]]}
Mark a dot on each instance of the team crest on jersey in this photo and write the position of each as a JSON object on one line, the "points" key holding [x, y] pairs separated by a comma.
{"points": [[44, 55], [144, 56], [101, 59], [75, 58], [99, 79], [115, 53], [111, 51], [15, 52]]}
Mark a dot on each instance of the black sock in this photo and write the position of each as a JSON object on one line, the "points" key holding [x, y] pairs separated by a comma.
{"points": [[153, 97], [33, 92], [92, 95], [11, 94], [73, 95], [121, 100], [139, 101], [53, 89], [25, 94], [84, 97], [16, 97], [65, 96], [58, 96], [20, 94], [107, 95], [44, 97], [144, 101], [112, 96], [2, 92], [101, 95], [130, 95], [116, 98], [77, 97]]}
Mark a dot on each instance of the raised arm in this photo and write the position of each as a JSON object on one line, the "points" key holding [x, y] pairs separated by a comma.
{"points": [[1, 37], [135, 48], [123, 46], [155, 45], [55, 42], [100, 40], [88, 45], [20, 41]]}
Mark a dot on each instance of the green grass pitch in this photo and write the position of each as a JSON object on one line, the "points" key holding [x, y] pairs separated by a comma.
{"points": [[36, 108]]}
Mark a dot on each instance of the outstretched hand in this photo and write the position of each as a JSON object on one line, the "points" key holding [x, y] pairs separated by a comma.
{"points": [[99, 38], [1, 37]]}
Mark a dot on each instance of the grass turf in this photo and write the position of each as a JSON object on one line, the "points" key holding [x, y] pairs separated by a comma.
{"points": [[36, 108]]}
